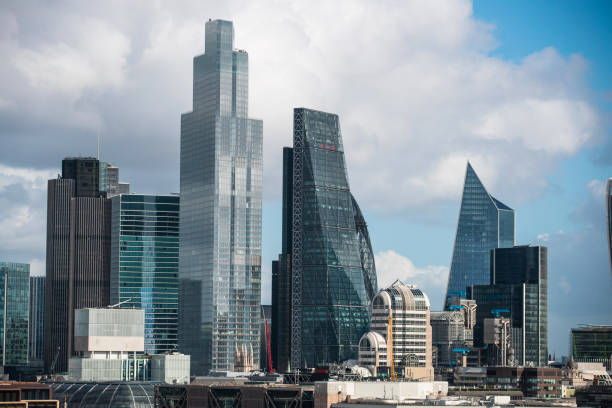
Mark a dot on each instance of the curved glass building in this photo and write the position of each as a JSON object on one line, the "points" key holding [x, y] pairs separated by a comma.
{"points": [[484, 223], [112, 394], [327, 263]]}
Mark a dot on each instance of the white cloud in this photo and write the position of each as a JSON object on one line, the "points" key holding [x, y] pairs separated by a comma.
{"points": [[93, 56], [545, 237], [432, 279]]}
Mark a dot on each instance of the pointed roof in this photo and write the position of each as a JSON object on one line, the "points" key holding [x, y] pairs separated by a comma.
{"points": [[470, 172]]}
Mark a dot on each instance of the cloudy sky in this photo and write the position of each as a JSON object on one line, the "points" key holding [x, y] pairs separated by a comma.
{"points": [[523, 90]]}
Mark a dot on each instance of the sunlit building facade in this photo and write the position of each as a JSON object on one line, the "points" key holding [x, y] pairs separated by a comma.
{"points": [[221, 187], [484, 223], [332, 271], [144, 264]]}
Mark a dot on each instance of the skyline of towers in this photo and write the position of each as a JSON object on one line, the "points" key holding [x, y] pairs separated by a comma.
{"points": [[484, 223], [221, 188], [325, 277], [144, 264]]}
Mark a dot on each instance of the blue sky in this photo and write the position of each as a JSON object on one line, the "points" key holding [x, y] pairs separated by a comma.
{"points": [[522, 89]]}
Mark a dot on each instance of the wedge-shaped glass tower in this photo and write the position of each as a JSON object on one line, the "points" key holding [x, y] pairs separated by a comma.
{"points": [[484, 223], [333, 276]]}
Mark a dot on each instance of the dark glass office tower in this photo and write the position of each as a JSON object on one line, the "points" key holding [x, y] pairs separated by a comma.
{"points": [[37, 317], [221, 183], [484, 223], [144, 264], [592, 344], [519, 290], [15, 313], [78, 255], [332, 274]]}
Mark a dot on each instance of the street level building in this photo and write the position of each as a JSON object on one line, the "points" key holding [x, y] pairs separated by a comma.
{"points": [[221, 187], [592, 344], [327, 257], [15, 313], [484, 223], [400, 326], [144, 264], [78, 254]]}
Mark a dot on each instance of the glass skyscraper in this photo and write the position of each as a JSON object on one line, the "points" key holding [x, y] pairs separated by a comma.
{"points": [[144, 263], [484, 223], [326, 249], [221, 183], [15, 312], [37, 317]]}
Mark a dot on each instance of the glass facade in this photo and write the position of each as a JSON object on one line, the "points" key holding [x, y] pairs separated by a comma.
{"points": [[144, 264], [333, 277], [592, 343], [15, 312], [484, 223], [37, 316], [221, 186], [106, 394]]}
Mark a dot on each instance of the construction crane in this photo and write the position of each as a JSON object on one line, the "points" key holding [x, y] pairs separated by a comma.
{"points": [[390, 349], [268, 347], [52, 368]]}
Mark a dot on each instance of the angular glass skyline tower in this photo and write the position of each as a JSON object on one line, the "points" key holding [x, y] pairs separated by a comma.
{"points": [[220, 216], [484, 223], [144, 264], [333, 276]]}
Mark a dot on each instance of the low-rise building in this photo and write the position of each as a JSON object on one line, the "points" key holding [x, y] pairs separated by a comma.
{"points": [[537, 382]]}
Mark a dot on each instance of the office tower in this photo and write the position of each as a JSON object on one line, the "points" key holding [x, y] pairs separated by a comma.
{"points": [[468, 308], [518, 290], [281, 275], [609, 217], [109, 181], [144, 264], [221, 184], [484, 223], [332, 273], [78, 255], [497, 337], [37, 317], [400, 327], [15, 312], [592, 344], [448, 334]]}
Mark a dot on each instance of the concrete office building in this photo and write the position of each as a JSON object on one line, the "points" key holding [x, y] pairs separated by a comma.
{"points": [[15, 313], [78, 254], [109, 344], [408, 338], [221, 187], [145, 263]]}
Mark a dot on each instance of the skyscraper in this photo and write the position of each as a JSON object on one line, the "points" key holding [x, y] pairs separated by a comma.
{"points": [[15, 312], [37, 317], [78, 254], [518, 290], [484, 223], [221, 183], [109, 180], [327, 258], [144, 264]]}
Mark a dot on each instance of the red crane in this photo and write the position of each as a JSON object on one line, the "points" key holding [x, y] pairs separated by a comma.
{"points": [[268, 348]]}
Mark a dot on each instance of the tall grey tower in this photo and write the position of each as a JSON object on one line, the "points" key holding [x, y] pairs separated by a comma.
{"points": [[220, 214]]}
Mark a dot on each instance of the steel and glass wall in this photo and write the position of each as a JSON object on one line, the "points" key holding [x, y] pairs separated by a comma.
{"points": [[14, 313], [484, 223], [592, 344], [331, 287], [221, 186], [37, 317], [144, 264]]}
